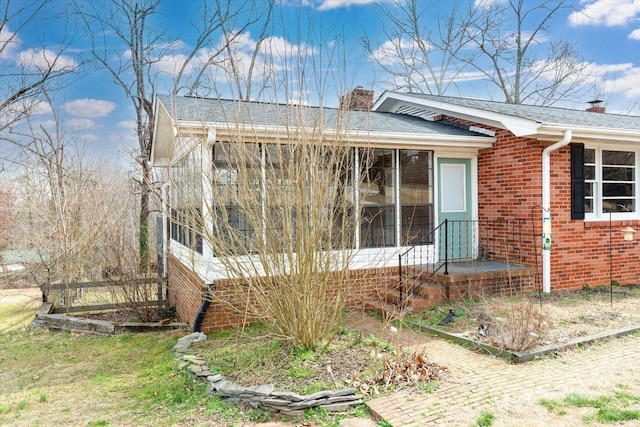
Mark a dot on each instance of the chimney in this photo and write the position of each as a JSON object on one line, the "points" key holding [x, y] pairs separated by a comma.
{"points": [[358, 99], [596, 107]]}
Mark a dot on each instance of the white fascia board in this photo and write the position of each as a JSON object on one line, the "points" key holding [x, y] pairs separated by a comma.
{"points": [[591, 133], [161, 140], [389, 102], [274, 133]]}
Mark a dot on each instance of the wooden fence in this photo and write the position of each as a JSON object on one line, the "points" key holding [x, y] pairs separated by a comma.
{"points": [[76, 292]]}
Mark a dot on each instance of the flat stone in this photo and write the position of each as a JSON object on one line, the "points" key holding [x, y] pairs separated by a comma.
{"points": [[194, 368], [231, 389], [336, 407], [306, 404], [343, 392], [294, 397], [215, 378], [277, 402], [318, 395], [344, 398], [358, 422], [265, 389], [220, 385]]}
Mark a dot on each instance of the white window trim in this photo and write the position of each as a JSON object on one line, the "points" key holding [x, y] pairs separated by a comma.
{"points": [[599, 214]]}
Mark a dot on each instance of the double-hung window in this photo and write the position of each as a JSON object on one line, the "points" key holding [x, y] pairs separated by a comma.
{"points": [[610, 185]]}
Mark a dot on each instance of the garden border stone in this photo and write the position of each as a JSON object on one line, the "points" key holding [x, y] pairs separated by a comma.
{"points": [[263, 396]]}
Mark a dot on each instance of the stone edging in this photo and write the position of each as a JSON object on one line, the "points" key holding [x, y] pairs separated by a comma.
{"points": [[261, 395]]}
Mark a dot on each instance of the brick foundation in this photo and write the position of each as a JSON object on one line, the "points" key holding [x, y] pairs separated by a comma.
{"points": [[497, 283], [229, 301]]}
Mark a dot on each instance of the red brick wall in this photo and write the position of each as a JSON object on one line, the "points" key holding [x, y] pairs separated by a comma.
{"points": [[229, 301], [185, 290], [510, 187]]}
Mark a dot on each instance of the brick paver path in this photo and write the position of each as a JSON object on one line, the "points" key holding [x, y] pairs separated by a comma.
{"points": [[512, 393]]}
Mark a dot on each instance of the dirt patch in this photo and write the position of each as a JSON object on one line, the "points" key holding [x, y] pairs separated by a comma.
{"points": [[528, 322]]}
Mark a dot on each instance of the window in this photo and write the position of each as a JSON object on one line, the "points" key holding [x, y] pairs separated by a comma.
{"points": [[377, 197], [236, 179], [610, 181], [259, 191], [416, 196], [186, 209]]}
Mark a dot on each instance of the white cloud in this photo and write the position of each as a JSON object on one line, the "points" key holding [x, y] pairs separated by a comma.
{"points": [[88, 107], [393, 51], [79, 124], [606, 12], [272, 57], [128, 125], [635, 34], [336, 4], [42, 60], [485, 4], [628, 83], [9, 43], [281, 48]]}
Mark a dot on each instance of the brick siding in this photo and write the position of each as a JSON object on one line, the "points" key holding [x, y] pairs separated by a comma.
{"points": [[229, 301], [510, 187]]}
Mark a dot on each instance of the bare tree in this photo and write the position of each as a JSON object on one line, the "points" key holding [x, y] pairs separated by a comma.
{"points": [[124, 29], [26, 72], [504, 44], [64, 205], [417, 57], [519, 60], [8, 199]]}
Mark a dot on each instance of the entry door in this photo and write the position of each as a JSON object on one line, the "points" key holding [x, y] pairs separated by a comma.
{"points": [[454, 204]]}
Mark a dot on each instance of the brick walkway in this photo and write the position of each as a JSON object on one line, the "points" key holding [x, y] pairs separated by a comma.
{"points": [[510, 392]]}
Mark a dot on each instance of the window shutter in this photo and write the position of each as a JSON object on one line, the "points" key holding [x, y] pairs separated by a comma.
{"points": [[577, 181]]}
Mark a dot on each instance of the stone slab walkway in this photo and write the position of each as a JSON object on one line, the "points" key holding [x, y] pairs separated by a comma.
{"points": [[511, 393]]}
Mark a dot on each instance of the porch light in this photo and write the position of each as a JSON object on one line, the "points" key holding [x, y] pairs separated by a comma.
{"points": [[628, 232]]}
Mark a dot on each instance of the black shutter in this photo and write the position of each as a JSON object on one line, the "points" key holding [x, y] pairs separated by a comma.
{"points": [[577, 181]]}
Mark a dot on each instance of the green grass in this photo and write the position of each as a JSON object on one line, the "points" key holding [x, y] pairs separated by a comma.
{"points": [[607, 409], [485, 419], [132, 379]]}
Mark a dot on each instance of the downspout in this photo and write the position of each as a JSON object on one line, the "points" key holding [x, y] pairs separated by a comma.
{"points": [[546, 206], [165, 233], [204, 307], [207, 292]]}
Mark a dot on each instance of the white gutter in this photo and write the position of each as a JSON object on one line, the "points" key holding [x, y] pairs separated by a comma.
{"points": [[165, 234], [546, 207]]}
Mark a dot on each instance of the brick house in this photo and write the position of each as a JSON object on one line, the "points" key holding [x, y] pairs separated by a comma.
{"points": [[567, 178]]}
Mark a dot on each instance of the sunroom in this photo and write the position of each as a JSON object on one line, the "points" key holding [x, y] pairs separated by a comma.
{"points": [[245, 179]]}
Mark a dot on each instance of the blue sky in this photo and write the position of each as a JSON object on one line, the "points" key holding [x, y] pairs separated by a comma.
{"points": [[606, 32]]}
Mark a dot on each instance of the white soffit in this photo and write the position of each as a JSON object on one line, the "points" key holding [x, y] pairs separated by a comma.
{"points": [[429, 109]]}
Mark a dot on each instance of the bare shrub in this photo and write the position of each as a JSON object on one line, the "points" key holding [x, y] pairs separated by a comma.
{"points": [[521, 328]]}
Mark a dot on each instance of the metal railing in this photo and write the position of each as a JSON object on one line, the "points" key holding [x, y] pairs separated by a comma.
{"points": [[468, 240]]}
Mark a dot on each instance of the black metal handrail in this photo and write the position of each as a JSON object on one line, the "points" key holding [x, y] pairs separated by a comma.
{"points": [[498, 239], [413, 248]]}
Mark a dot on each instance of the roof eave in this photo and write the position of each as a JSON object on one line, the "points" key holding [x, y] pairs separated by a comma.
{"points": [[390, 101], [272, 133], [586, 134]]}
